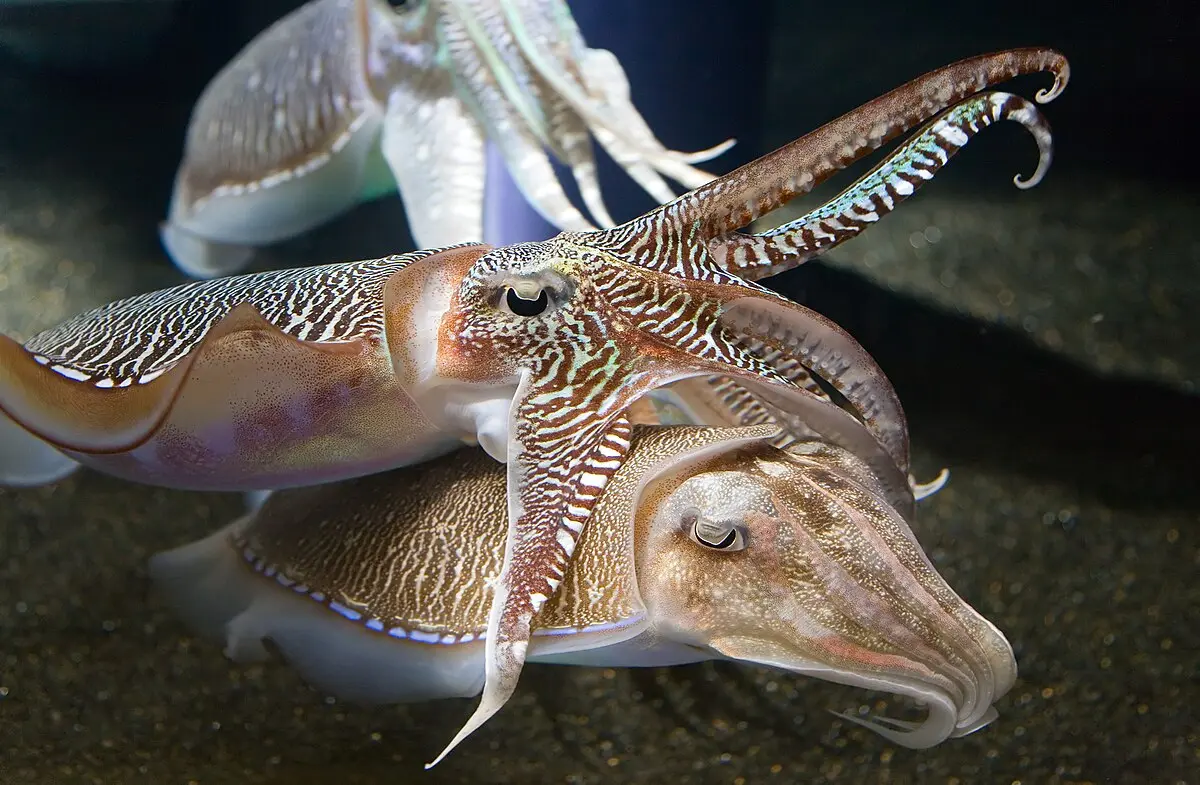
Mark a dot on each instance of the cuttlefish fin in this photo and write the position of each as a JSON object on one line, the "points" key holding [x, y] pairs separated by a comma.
{"points": [[198, 257], [558, 473], [435, 150], [885, 187], [26, 460], [72, 412], [75, 411], [737, 199]]}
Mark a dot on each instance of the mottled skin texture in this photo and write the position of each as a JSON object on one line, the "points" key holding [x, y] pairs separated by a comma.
{"points": [[537, 350], [707, 542], [346, 100]]}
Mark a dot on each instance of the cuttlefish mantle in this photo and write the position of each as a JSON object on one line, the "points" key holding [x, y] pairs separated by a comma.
{"points": [[343, 101], [706, 544]]}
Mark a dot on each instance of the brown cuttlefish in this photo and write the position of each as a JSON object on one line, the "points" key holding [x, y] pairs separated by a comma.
{"points": [[708, 543]]}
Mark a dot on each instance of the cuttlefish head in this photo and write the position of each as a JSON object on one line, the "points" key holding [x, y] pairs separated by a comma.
{"points": [[795, 559]]}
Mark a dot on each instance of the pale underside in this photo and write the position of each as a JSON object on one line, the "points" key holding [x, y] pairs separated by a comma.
{"points": [[347, 100]]}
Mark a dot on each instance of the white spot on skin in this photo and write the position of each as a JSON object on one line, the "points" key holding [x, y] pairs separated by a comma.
{"points": [[70, 373], [421, 636], [565, 540]]}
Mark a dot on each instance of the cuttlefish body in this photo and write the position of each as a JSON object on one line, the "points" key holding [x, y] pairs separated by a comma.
{"points": [[707, 544], [343, 101], [535, 351]]}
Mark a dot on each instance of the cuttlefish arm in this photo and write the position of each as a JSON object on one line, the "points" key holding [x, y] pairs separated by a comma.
{"points": [[746, 194], [531, 80], [881, 190], [707, 542], [585, 324], [258, 381]]}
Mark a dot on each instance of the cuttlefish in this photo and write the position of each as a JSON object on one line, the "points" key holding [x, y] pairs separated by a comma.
{"points": [[708, 543], [344, 101], [534, 350]]}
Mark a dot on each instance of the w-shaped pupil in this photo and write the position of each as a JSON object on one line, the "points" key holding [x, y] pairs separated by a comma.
{"points": [[724, 543], [522, 307]]}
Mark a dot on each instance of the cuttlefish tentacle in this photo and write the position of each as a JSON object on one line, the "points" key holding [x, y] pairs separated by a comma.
{"points": [[850, 528], [487, 85], [746, 194], [594, 84], [881, 190], [685, 237]]}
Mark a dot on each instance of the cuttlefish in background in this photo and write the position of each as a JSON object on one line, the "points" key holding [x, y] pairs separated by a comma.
{"points": [[707, 544], [535, 351], [344, 101]]}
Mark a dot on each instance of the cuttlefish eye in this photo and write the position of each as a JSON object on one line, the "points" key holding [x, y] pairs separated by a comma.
{"points": [[522, 305], [725, 536]]}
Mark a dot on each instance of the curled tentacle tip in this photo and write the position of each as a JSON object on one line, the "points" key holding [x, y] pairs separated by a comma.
{"points": [[1061, 77], [1035, 178]]}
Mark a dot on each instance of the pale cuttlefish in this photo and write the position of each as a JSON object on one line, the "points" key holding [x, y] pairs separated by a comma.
{"points": [[534, 350], [708, 543], [345, 101]]}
